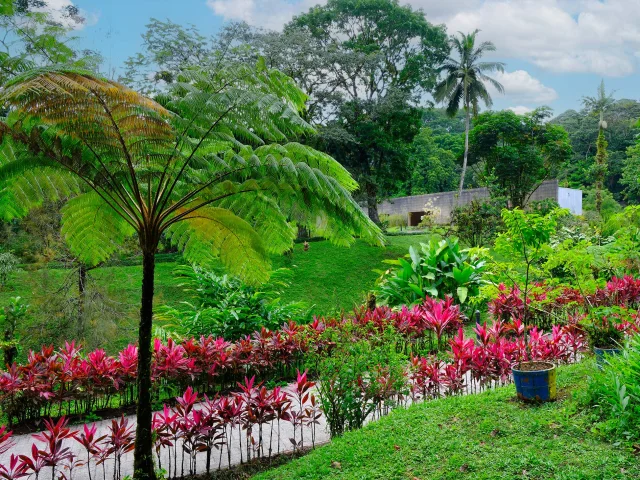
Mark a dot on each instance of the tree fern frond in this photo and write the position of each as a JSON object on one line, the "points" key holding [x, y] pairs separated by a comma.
{"points": [[213, 235], [92, 229]]}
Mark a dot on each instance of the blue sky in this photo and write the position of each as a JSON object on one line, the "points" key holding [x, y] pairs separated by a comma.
{"points": [[556, 51]]}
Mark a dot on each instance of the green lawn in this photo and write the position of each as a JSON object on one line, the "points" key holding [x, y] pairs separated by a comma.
{"points": [[486, 436], [334, 278], [328, 277]]}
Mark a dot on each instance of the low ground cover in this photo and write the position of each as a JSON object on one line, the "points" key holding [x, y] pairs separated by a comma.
{"points": [[485, 436]]}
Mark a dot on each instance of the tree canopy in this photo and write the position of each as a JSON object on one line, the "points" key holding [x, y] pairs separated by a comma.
{"points": [[519, 152]]}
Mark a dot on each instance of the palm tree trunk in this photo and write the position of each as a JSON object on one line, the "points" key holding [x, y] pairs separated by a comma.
{"points": [[143, 454], [466, 149]]}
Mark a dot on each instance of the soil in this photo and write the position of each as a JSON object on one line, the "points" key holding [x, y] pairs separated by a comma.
{"points": [[248, 470], [534, 366]]}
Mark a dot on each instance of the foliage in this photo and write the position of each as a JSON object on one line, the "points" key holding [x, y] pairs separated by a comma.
{"points": [[518, 152], [615, 393], [223, 306], [478, 222], [608, 208], [358, 379], [543, 207], [8, 265], [433, 168], [463, 83], [438, 269], [396, 220], [603, 331], [14, 314]]}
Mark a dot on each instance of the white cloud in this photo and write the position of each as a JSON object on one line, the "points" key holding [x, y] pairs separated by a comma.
{"points": [[520, 109], [586, 36], [520, 86], [270, 14], [57, 9], [583, 36]]}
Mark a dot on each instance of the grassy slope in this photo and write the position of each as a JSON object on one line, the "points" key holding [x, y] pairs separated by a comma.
{"points": [[333, 278], [329, 277], [486, 436]]}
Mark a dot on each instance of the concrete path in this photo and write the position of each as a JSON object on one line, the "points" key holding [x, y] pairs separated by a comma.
{"points": [[22, 446]]}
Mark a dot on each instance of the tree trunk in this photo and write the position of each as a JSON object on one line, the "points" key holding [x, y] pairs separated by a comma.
{"points": [[372, 203], [82, 286], [466, 150], [143, 454], [10, 352]]}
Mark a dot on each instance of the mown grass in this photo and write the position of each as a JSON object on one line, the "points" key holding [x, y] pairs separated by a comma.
{"points": [[486, 436], [327, 277], [334, 279]]}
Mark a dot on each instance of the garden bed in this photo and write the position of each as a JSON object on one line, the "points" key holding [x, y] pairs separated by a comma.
{"points": [[485, 436]]}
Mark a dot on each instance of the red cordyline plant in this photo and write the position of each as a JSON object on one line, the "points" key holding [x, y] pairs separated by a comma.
{"points": [[54, 453], [300, 396], [441, 316], [89, 439], [14, 470]]}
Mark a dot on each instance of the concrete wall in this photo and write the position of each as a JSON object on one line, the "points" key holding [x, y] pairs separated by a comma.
{"points": [[442, 204]]}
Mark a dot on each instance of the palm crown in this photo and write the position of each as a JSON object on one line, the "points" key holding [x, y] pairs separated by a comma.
{"points": [[202, 165], [463, 82], [464, 78]]}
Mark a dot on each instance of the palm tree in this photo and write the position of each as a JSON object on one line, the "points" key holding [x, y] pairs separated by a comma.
{"points": [[597, 106], [208, 166], [464, 82]]}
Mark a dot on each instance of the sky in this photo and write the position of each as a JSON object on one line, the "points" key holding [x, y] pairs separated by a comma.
{"points": [[556, 51]]}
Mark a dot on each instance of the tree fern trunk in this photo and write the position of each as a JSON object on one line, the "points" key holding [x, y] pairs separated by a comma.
{"points": [[143, 455], [82, 286], [466, 150]]}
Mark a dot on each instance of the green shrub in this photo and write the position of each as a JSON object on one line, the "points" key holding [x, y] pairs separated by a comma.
{"points": [[437, 269], [543, 207], [478, 222], [615, 394], [8, 265], [224, 306], [601, 327], [358, 378]]}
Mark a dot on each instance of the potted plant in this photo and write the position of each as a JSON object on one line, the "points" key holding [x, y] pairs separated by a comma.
{"points": [[604, 337], [535, 381], [526, 241]]}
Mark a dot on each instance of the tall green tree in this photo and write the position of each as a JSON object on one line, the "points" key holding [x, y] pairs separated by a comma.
{"points": [[210, 167], [378, 61], [433, 168], [38, 33], [519, 152], [464, 83], [597, 106]]}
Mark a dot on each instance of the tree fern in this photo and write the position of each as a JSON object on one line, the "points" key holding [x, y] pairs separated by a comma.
{"points": [[213, 164]]}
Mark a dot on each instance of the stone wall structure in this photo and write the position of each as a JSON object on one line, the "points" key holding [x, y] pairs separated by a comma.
{"points": [[441, 205]]}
